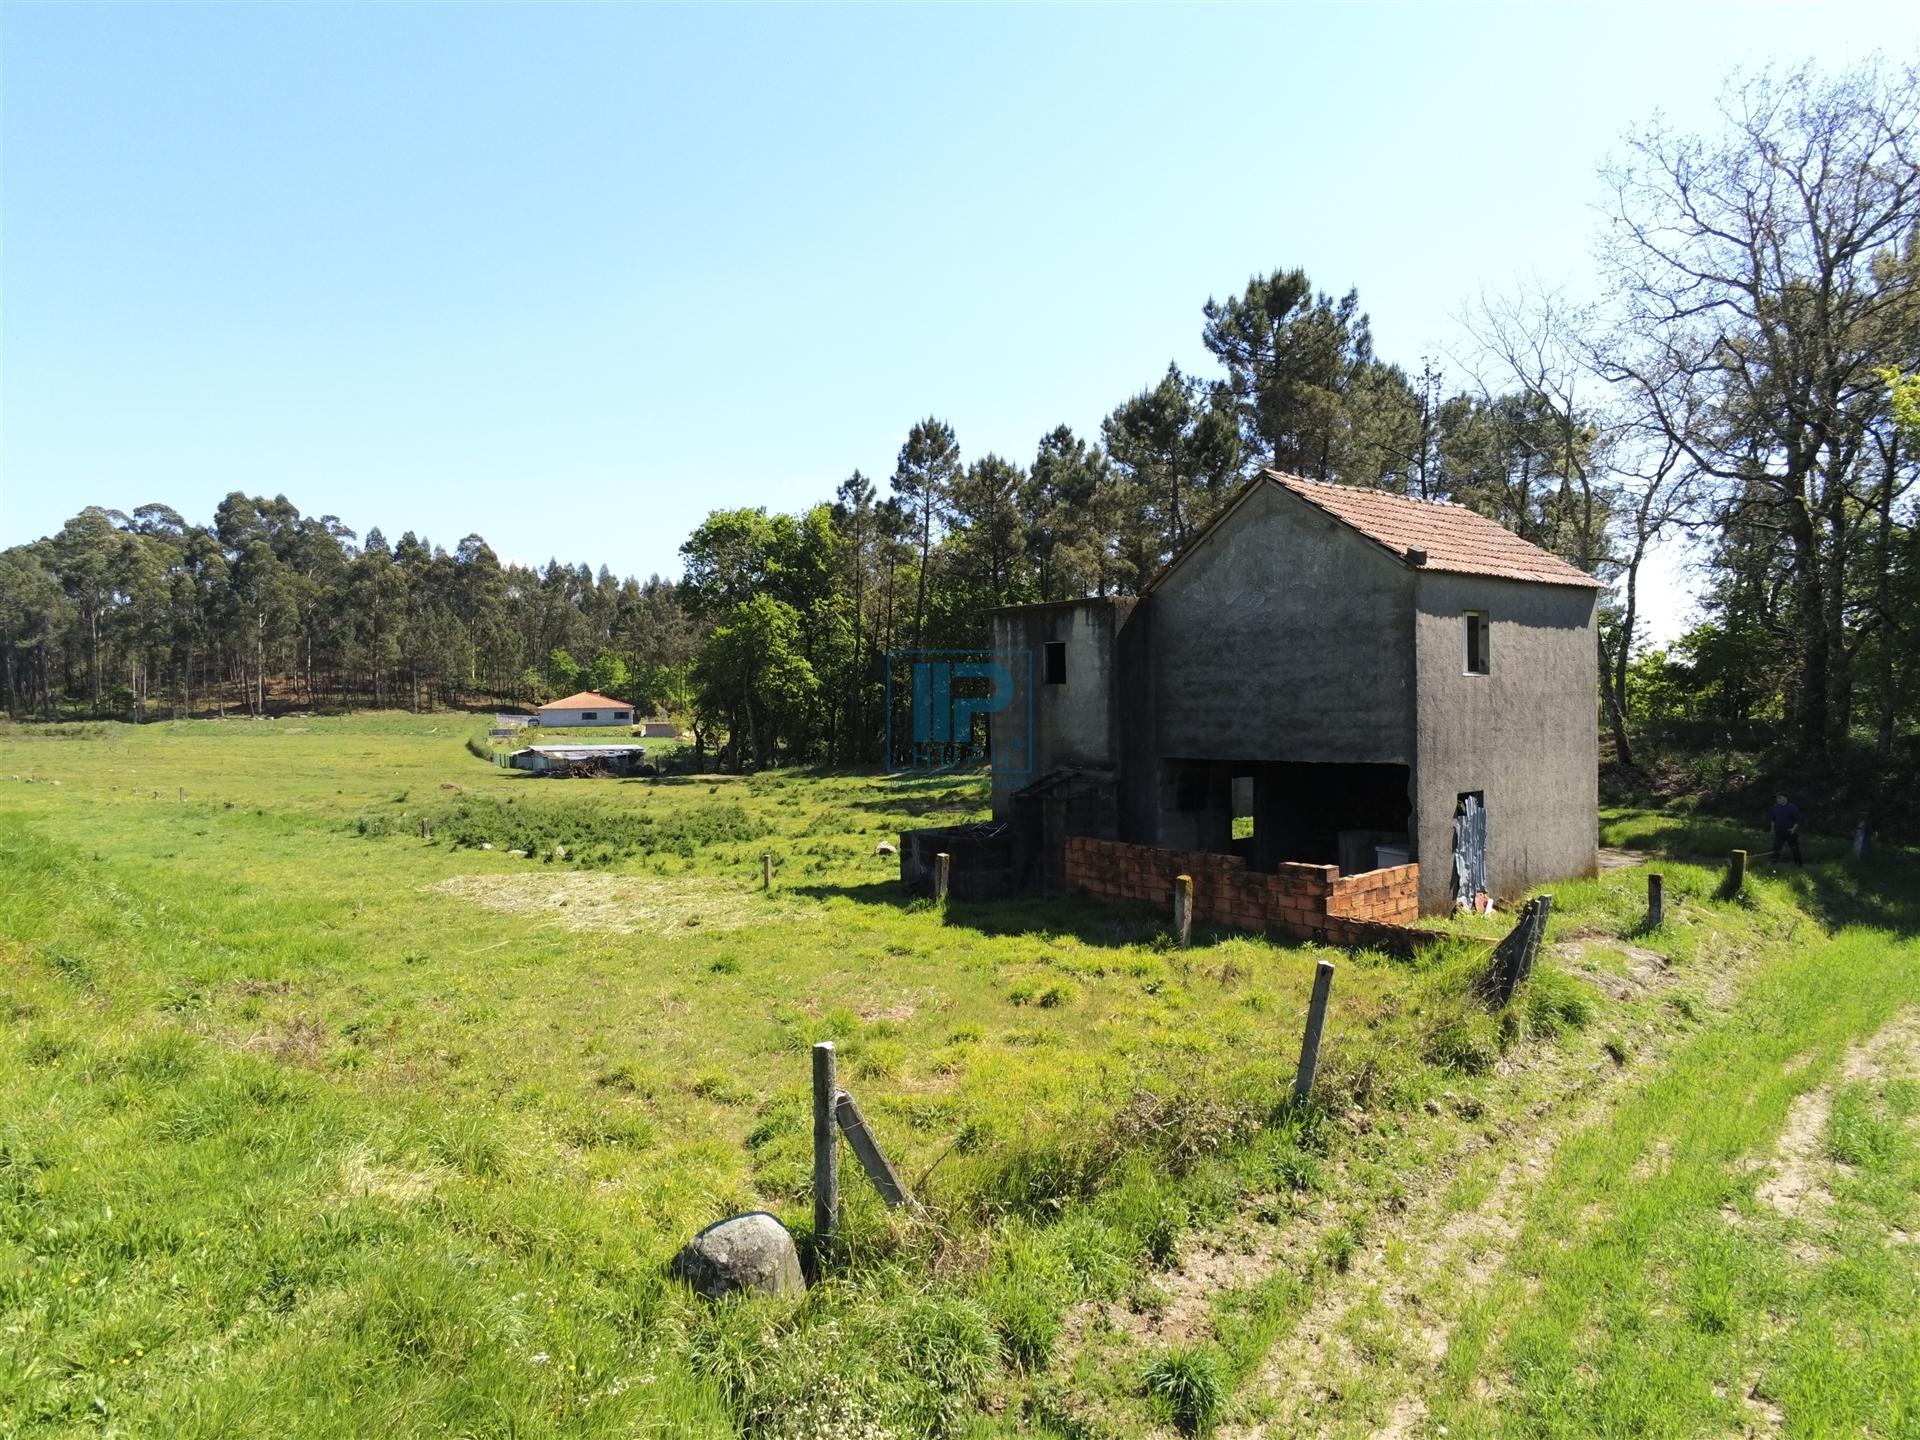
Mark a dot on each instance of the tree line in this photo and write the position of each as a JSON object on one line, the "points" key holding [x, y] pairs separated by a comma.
{"points": [[1738, 383], [148, 615]]}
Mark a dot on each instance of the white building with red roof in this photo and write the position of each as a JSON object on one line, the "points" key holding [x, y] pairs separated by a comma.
{"points": [[589, 707]]}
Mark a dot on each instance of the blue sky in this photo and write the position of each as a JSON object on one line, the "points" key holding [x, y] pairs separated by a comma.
{"points": [[448, 268]]}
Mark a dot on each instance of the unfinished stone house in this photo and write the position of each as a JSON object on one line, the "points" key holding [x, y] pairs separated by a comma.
{"points": [[1334, 704]]}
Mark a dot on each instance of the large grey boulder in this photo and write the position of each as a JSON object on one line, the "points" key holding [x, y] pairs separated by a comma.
{"points": [[743, 1252]]}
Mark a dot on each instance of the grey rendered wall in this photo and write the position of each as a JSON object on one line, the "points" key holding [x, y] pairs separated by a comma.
{"points": [[1526, 734], [1284, 636], [1074, 724]]}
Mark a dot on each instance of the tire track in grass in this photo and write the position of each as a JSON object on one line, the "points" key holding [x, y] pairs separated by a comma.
{"points": [[1361, 1359], [1462, 1214], [1630, 1304], [1442, 1249]]}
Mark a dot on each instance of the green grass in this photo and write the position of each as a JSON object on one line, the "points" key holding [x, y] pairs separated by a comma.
{"points": [[309, 1125], [1677, 1303]]}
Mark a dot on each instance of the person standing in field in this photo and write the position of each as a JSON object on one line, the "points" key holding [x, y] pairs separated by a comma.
{"points": [[1785, 817]]}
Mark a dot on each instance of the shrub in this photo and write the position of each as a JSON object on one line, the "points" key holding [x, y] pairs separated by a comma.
{"points": [[1187, 1382]]}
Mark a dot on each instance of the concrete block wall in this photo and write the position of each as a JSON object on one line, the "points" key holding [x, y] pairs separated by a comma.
{"points": [[1304, 902]]}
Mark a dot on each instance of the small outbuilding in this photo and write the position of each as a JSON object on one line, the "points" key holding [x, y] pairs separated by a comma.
{"points": [[581, 761], [586, 708]]}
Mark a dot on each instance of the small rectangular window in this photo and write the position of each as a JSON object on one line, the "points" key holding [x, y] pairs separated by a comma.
{"points": [[589, 714], [1477, 637], [1056, 662], [623, 715]]}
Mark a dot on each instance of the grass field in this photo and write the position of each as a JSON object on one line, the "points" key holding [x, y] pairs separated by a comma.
{"points": [[311, 1125]]}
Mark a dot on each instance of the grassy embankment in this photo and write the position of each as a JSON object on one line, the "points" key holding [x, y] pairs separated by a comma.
{"points": [[308, 1125]]}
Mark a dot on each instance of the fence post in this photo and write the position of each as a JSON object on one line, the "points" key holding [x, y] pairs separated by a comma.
{"points": [[1316, 1021], [942, 873], [1542, 910], [826, 1155], [867, 1151], [426, 828], [183, 797], [1183, 910], [766, 871], [1737, 876], [1656, 900], [1510, 956]]}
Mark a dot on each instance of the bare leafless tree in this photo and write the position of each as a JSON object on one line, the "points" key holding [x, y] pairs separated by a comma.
{"points": [[1761, 276]]}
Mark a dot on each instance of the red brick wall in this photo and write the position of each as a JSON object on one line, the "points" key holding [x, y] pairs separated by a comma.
{"points": [[1391, 896], [1305, 902]]}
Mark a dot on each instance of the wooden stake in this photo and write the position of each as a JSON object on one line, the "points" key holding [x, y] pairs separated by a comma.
{"points": [[1316, 1021], [1183, 910], [942, 872], [1737, 876], [766, 871], [1656, 900], [867, 1150], [183, 794], [826, 1155]]}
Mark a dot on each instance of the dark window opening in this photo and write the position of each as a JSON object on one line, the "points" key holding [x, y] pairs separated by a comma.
{"points": [[589, 714], [1356, 816], [1477, 637], [1243, 807], [1190, 791], [1056, 662], [622, 715]]}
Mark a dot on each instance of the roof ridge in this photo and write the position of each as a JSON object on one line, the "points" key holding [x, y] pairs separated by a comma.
{"points": [[1286, 475], [1460, 541]]}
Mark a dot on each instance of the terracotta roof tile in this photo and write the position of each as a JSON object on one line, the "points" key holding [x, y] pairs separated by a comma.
{"points": [[587, 699], [1455, 538]]}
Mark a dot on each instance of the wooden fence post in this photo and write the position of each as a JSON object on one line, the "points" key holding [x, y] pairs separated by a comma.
{"points": [[1183, 910], [1316, 1021], [942, 873], [826, 1155], [1737, 876], [183, 794], [872, 1159], [766, 871], [426, 828], [1656, 900]]}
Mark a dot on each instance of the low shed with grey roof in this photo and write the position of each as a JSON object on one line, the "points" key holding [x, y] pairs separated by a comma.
{"points": [[580, 760], [1324, 674]]}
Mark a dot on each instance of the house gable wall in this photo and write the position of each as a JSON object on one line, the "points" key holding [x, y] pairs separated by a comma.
{"points": [[1283, 635]]}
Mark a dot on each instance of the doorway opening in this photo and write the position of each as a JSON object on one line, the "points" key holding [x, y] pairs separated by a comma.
{"points": [[1470, 851]]}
